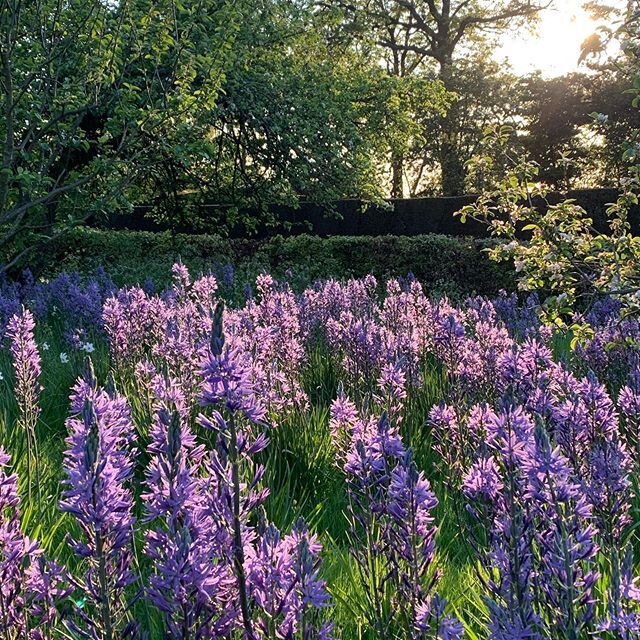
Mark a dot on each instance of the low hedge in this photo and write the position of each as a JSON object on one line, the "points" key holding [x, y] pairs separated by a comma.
{"points": [[444, 264]]}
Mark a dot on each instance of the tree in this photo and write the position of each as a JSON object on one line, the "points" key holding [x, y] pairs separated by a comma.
{"points": [[436, 30], [304, 117], [565, 256], [93, 94], [485, 94], [555, 112]]}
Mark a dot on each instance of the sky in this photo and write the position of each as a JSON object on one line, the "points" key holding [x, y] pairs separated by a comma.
{"points": [[555, 48]]}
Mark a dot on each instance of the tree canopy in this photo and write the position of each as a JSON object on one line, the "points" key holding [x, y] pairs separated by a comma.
{"points": [[246, 104]]}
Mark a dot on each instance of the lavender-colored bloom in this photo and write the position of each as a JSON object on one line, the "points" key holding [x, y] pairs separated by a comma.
{"points": [[226, 374], [565, 538], [182, 278], [284, 585], [410, 536], [99, 466], [483, 481], [432, 621], [27, 366], [542, 543], [192, 583], [372, 451], [29, 585], [228, 275], [390, 505], [392, 383]]}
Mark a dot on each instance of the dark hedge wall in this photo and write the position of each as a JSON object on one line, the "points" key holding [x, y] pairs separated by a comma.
{"points": [[407, 217]]}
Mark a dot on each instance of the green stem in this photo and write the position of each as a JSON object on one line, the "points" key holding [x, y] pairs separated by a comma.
{"points": [[238, 550]]}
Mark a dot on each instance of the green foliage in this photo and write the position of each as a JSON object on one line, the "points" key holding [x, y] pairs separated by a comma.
{"points": [[418, 38], [455, 266], [562, 253], [557, 249], [95, 95], [173, 103]]}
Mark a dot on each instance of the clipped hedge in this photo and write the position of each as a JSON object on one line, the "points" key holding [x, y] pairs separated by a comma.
{"points": [[444, 264]]}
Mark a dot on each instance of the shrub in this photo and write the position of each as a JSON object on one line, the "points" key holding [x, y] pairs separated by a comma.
{"points": [[456, 266]]}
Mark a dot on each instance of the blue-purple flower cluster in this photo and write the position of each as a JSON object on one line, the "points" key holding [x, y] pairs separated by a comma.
{"points": [[476, 417]]}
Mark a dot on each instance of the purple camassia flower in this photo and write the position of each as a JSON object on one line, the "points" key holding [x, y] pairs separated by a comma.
{"points": [[230, 500], [495, 487], [541, 552], [409, 315], [227, 382], [622, 619], [133, 322], [392, 383], [524, 368], [78, 304], [449, 332], [459, 440], [629, 405], [565, 539], [270, 329], [410, 535], [363, 346], [611, 352], [390, 504], [585, 425], [192, 581], [181, 278], [227, 274], [74, 302], [522, 321], [99, 466], [27, 365], [483, 481], [344, 420], [431, 617], [284, 585], [371, 452], [29, 586], [325, 300]]}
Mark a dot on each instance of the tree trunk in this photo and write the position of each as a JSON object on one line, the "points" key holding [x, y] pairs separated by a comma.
{"points": [[451, 164], [397, 174]]}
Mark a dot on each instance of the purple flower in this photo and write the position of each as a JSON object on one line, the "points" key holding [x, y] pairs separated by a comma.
{"points": [[26, 363], [431, 618], [284, 585], [392, 383], [226, 373], [99, 463], [390, 513], [483, 481], [29, 586], [192, 581]]}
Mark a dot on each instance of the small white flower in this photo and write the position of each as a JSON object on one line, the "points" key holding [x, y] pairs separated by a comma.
{"points": [[88, 347], [45, 346], [1, 376], [64, 358]]}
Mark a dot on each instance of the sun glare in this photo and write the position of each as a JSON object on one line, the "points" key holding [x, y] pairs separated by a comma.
{"points": [[555, 47]]}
